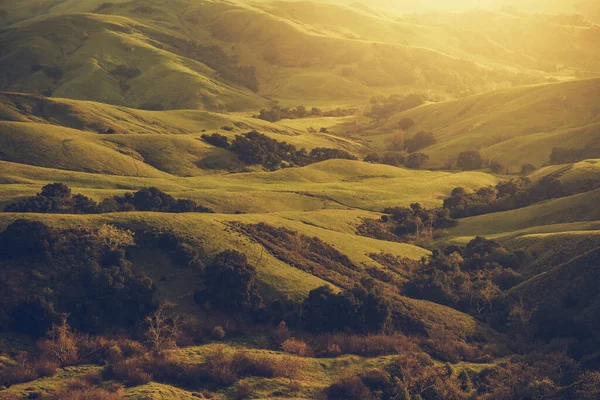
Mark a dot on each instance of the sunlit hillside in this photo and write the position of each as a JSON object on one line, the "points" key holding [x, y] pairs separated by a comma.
{"points": [[511, 126], [299, 199]]}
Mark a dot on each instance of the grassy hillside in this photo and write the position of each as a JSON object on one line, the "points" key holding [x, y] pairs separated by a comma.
{"points": [[511, 126], [570, 292], [587, 170], [553, 249], [213, 234], [87, 49], [110, 97], [550, 214], [95, 137], [345, 59], [337, 184]]}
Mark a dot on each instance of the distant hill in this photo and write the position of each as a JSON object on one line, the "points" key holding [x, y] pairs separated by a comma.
{"points": [[511, 126], [144, 54]]}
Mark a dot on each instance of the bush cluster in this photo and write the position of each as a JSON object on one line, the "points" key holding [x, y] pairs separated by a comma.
{"points": [[405, 224], [56, 198], [393, 158], [254, 148], [473, 279], [383, 108], [420, 141], [83, 272], [356, 310], [563, 155], [277, 113], [510, 195], [231, 284]]}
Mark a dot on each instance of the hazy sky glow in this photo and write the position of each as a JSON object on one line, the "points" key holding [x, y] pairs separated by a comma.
{"points": [[457, 5]]}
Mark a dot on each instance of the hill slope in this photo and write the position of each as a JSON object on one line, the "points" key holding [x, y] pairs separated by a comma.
{"points": [[145, 54], [108, 59], [511, 126], [565, 299], [539, 218]]}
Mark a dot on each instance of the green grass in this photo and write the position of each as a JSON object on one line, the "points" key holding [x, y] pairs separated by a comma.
{"points": [[49, 384], [579, 210], [303, 55], [553, 249], [67, 134], [588, 170], [213, 233], [88, 47], [334, 184], [511, 126]]}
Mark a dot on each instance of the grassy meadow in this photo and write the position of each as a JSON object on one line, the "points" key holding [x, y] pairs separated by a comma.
{"points": [[296, 282]]}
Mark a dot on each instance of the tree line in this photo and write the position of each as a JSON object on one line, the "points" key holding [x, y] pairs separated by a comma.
{"points": [[56, 198], [255, 148], [513, 194], [277, 113]]}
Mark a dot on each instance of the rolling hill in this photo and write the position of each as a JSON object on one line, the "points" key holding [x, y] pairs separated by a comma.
{"points": [[112, 97], [145, 55], [511, 126]]}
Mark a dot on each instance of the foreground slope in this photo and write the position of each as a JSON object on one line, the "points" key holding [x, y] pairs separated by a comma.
{"points": [[565, 300]]}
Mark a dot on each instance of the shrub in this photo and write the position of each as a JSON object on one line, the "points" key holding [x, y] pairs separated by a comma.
{"points": [[393, 158], [281, 333], [173, 372], [126, 71], [420, 141], [278, 113], [129, 371], [349, 387], [367, 346], [83, 390], [469, 160], [162, 329], [526, 169], [588, 386], [383, 108], [373, 158], [217, 140], [375, 379], [230, 283], [61, 346], [254, 365], [296, 347], [322, 154], [416, 160], [218, 366], [25, 369], [218, 333], [406, 123], [243, 391], [114, 238]]}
